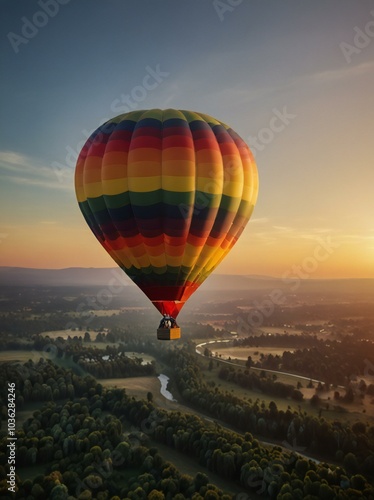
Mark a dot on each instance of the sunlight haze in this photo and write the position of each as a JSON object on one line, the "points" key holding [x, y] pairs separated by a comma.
{"points": [[294, 79]]}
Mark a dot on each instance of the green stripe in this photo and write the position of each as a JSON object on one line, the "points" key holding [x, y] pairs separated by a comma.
{"points": [[97, 204], [117, 200], [159, 276], [228, 202], [245, 208]]}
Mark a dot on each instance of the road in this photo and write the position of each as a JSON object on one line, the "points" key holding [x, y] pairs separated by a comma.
{"points": [[252, 367]]}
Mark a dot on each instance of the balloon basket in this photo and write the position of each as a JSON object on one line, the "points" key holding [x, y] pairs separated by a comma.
{"points": [[168, 333]]}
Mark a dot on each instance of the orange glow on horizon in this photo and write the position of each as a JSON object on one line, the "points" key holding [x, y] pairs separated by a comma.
{"points": [[303, 258]]}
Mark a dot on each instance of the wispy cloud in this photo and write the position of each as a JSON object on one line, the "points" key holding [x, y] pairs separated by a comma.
{"points": [[274, 234], [333, 75], [260, 220], [284, 229], [343, 72], [22, 169], [357, 237]]}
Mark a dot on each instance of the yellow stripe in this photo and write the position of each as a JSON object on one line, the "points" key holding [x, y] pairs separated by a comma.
{"points": [[233, 189], [114, 186], [141, 260], [180, 184], [174, 261], [216, 257], [144, 184], [209, 268], [172, 113], [125, 257], [81, 195], [191, 254], [210, 119], [155, 251], [211, 185], [205, 256], [158, 261], [93, 190]]}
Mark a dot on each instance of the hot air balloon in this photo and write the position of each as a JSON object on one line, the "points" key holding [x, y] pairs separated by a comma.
{"points": [[167, 193]]}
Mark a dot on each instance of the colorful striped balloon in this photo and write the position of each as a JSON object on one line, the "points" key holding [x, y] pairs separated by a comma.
{"points": [[167, 193]]}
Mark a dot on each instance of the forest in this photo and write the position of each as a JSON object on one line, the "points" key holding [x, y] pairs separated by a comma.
{"points": [[334, 361], [245, 431], [83, 444]]}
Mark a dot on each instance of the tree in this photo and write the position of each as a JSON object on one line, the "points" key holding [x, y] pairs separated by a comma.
{"points": [[358, 482], [156, 495], [59, 492], [297, 395], [273, 407], [301, 467], [350, 463], [370, 390], [349, 396], [315, 400], [100, 337], [201, 479], [359, 428], [149, 396], [249, 362]]}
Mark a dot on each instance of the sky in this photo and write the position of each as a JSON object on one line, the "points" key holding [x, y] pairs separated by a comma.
{"points": [[294, 79]]}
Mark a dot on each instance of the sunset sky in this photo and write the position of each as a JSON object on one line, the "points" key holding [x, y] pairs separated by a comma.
{"points": [[294, 79]]}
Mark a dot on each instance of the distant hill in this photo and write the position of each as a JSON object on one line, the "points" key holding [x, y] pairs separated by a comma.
{"points": [[77, 276], [81, 276], [72, 276]]}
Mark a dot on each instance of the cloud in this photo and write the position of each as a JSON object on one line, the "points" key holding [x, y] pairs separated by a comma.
{"points": [[333, 75], [284, 229], [357, 237], [259, 220], [344, 72], [22, 169], [277, 233]]}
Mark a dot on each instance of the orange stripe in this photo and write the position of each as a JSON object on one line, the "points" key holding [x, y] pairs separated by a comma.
{"points": [[174, 251], [197, 241], [93, 163], [144, 169], [171, 154], [208, 156], [178, 168], [144, 154], [112, 172]]}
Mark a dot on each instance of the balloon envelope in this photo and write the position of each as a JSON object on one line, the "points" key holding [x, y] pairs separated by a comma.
{"points": [[167, 193]]}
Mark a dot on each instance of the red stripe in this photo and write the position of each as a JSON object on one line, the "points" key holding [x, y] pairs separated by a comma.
{"points": [[177, 141], [146, 142]]}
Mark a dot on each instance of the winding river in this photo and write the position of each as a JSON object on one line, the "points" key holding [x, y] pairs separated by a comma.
{"points": [[164, 383]]}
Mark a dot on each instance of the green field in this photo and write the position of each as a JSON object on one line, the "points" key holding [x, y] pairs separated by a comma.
{"points": [[354, 412]]}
